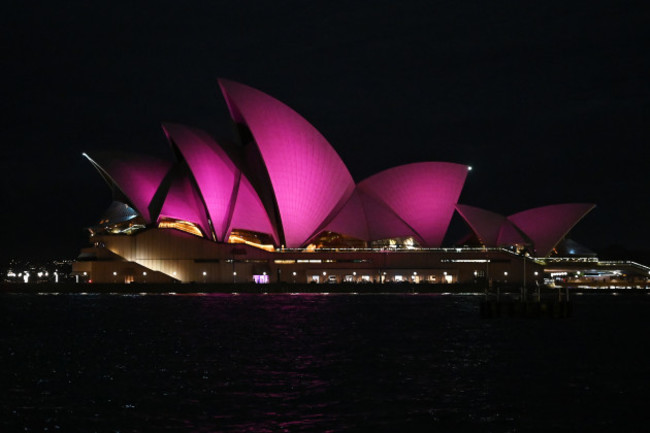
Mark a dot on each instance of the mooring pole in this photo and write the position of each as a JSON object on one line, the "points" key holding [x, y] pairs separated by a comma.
{"points": [[524, 288]]}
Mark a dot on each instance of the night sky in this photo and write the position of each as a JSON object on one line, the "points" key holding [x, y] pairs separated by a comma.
{"points": [[549, 101]]}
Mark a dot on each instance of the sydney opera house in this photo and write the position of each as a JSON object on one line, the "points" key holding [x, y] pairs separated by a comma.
{"points": [[280, 205]]}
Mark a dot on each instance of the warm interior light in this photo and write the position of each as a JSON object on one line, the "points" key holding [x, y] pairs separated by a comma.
{"points": [[184, 226], [242, 238]]}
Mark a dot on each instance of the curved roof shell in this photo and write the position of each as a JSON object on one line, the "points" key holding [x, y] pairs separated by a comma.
{"points": [[383, 222], [137, 177], [249, 212], [309, 179], [423, 195], [547, 225], [183, 202], [511, 235], [485, 224], [351, 219], [492, 229], [368, 219], [215, 174]]}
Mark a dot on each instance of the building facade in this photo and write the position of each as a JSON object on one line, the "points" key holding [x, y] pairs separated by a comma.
{"points": [[280, 205]]}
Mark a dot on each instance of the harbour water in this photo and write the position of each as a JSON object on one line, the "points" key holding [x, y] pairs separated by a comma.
{"points": [[280, 362]]}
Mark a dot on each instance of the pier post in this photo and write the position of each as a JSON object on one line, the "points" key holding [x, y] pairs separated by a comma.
{"points": [[524, 288]]}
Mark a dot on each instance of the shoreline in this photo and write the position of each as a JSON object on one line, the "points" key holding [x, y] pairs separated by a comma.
{"points": [[289, 288]]}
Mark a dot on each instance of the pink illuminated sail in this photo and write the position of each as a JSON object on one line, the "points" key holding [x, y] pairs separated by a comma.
{"points": [[547, 225], [137, 177], [214, 172], [485, 224], [492, 229], [184, 203], [308, 178], [351, 220], [383, 223], [249, 213], [423, 195]]}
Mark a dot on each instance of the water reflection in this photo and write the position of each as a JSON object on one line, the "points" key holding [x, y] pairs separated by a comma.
{"points": [[311, 363]]}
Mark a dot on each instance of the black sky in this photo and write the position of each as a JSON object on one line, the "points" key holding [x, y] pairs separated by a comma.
{"points": [[548, 101]]}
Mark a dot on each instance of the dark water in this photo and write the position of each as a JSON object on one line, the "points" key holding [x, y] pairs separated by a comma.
{"points": [[251, 363]]}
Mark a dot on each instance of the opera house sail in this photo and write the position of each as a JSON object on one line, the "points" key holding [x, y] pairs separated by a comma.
{"points": [[281, 205]]}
